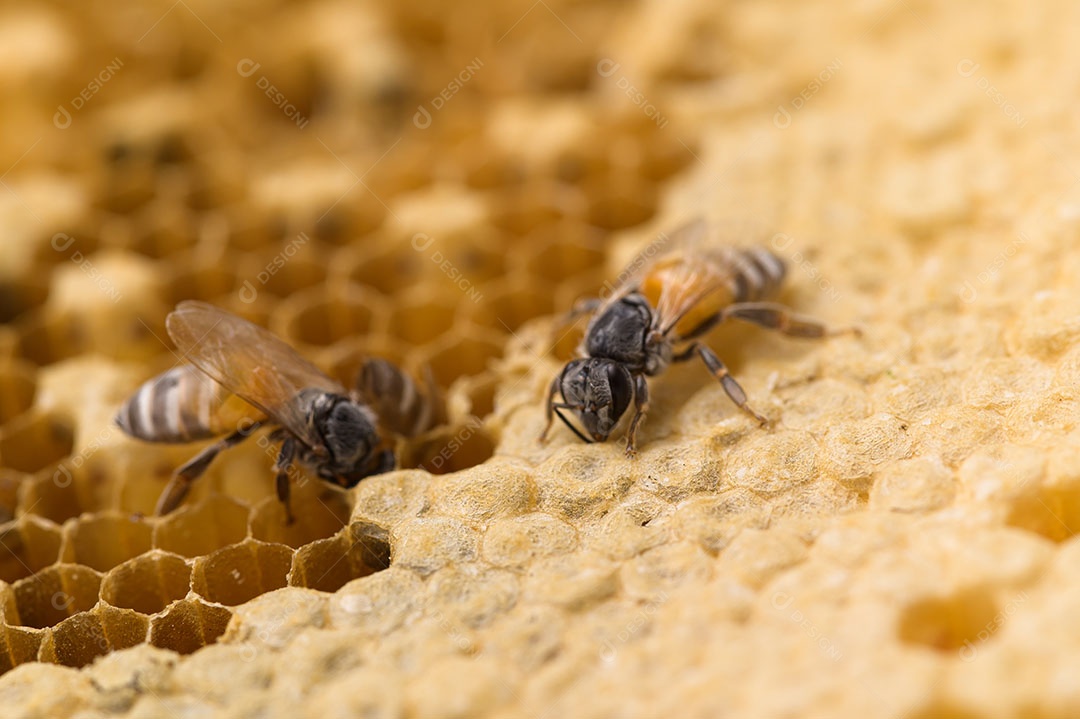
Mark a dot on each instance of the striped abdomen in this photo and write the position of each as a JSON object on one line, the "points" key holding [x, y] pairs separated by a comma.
{"points": [[182, 405], [400, 406], [756, 274]]}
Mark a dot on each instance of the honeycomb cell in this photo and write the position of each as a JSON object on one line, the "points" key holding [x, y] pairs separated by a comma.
{"points": [[510, 303], [30, 543], [329, 564], [449, 449], [83, 637], [10, 484], [187, 625], [240, 572], [347, 222], [616, 205], [103, 541], [570, 251], [460, 356], [280, 278], [148, 583], [250, 228], [948, 623], [162, 231], [204, 282], [48, 597], [18, 645], [319, 511], [34, 441], [17, 388], [19, 295], [200, 529], [420, 322], [521, 211], [48, 338], [316, 318], [398, 265]]}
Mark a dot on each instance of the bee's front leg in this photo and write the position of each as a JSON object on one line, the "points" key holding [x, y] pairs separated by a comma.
{"points": [[549, 409], [641, 406]]}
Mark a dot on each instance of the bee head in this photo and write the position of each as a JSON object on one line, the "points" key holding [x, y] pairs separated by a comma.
{"points": [[348, 429], [597, 391]]}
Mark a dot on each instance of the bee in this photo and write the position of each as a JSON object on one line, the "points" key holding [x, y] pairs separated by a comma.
{"points": [[241, 377], [656, 315]]}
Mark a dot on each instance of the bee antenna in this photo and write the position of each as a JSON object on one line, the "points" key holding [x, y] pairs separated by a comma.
{"points": [[575, 430]]}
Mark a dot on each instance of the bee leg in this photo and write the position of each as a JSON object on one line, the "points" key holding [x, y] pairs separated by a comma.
{"points": [[177, 488], [777, 317], [549, 411], [284, 461], [641, 406], [720, 371]]}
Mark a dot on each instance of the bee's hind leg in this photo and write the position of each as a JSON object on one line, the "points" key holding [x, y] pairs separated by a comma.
{"points": [[180, 484], [777, 317], [733, 389], [284, 462]]}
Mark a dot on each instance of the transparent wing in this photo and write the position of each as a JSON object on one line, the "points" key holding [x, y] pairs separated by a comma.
{"points": [[663, 248], [684, 275], [250, 362]]}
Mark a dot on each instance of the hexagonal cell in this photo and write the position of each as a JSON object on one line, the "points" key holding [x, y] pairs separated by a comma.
{"points": [[328, 564], [314, 318], [525, 209], [17, 387], [34, 441], [480, 391], [103, 541], [83, 637], [320, 510], [187, 625], [161, 230], [10, 484], [148, 583], [19, 295], [460, 356], [664, 158], [29, 544], [569, 251], [45, 338], [250, 228], [510, 303], [347, 222], [292, 275], [615, 205], [421, 321], [236, 574], [449, 449], [57, 493], [397, 266], [55, 593], [18, 645], [203, 282], [194, 530]]}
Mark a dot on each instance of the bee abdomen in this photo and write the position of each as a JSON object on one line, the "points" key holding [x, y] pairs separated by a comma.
{"points": [[172, 407], [758, 274], [401, 407]]}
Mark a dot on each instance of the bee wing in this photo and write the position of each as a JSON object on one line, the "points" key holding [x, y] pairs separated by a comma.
{"points": [[630, 280], [250, 362]]}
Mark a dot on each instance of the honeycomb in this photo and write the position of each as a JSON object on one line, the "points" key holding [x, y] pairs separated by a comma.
{"points": [[434, 185], [335, 217]]}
